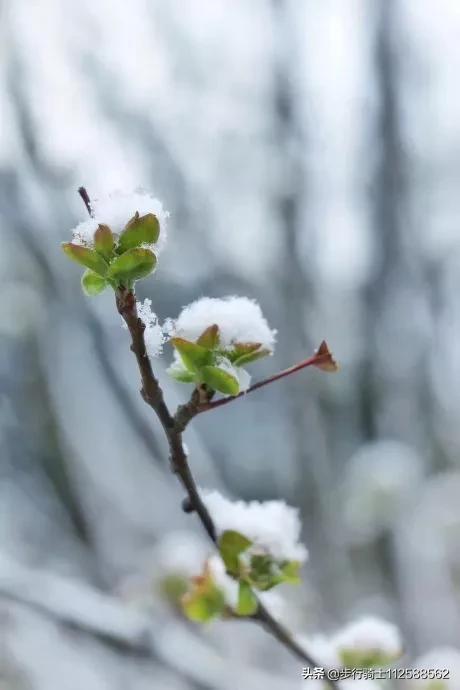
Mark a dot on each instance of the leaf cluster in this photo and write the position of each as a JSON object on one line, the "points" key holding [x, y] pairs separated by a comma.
{"points": [[206, 361], [117, 260], [252, 570]]}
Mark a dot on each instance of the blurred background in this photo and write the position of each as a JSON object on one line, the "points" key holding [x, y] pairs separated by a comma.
{"points": [[309, 155]]}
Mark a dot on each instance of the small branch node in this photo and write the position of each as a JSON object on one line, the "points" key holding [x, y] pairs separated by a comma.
{"points": [[187, 506]]}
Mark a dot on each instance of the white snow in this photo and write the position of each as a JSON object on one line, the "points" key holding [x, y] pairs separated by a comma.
{"points": [[273, 526], [180, 553], [227, 584], [115, 210], [321, 649], [153, 334], [369, 634], [240, 320]]}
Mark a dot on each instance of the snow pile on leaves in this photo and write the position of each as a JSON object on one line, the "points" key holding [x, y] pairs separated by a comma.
{"points": [[240, 320], [272, 526], [369, 635], [184, 554], [214, 339], [115, 210], [368, 642]]}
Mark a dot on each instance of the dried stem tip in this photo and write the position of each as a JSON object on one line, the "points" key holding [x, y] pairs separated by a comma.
{"points": [[86, 200], [324, 360]]}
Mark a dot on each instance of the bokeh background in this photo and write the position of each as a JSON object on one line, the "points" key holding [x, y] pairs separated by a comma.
{"points": [[309, 155]]}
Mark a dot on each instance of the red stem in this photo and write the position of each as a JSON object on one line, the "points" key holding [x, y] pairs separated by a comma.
{"points": [[316, 360]]}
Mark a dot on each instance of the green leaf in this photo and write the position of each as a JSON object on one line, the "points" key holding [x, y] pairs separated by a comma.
{"points": [[181, 374], [193, 356], [231, 545], [263, 574], [250, 357], [366, 658], [85, 257], [247, 602], [220, 380], [174, 587], [210, 337], [140, 230], [204, 602], [92, 283], [104, 241], [239, 349], [132, 265], [290, 572]]}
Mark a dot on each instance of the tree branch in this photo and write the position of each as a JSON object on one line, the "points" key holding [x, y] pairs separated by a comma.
{"points": [[322, 359], [173, 427], [153, 396]]}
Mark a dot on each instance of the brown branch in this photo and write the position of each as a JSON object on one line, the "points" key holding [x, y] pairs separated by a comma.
{"points": [[173, 427], [86, 200], [153, 396]]}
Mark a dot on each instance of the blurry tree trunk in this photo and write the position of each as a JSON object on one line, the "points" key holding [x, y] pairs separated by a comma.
{"points": [[313, 479], [392, 396]]}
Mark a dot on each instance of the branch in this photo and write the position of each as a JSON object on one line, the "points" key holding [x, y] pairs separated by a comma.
{"points": [[322, 359], [173, 427], [153, 396]]}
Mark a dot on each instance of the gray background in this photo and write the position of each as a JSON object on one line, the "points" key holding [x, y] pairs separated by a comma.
{"points": [[309, 154]]}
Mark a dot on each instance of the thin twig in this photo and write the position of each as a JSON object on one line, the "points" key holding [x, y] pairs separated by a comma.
{"points": [[173, 427], [86, 200], [316, 361]]}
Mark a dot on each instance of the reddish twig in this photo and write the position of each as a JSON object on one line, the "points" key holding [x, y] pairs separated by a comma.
{"points": [[322, 359]]}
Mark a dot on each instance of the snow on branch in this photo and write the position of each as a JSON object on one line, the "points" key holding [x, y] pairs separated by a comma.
{"points": [[154, 334], [272, 526]]}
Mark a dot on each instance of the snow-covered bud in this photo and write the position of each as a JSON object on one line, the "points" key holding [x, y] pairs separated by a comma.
{"points": [[120, 243], [214, 339], [272, 526], [137, 215], [239, 319], [367, 643], [258, 543]]}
